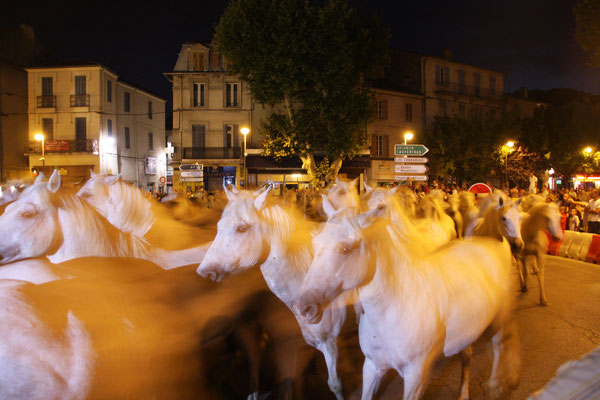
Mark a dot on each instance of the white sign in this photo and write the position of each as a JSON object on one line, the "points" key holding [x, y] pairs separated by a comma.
{"points": [[192, 174], [411, 160], [411, 169], [411, 177], [191, 167], [190, 180]]}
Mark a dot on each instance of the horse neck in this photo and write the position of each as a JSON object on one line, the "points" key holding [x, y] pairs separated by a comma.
{"points": [[133, 212], [290, 252], [534, 222], [86, 233], [489, 227]]}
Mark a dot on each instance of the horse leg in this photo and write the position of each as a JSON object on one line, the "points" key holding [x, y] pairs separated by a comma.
{"points": [[520, 261], [540, 268], [415, 376], [507, 359], [330, 352], [465, 357], [249, 337], [371, 378]]}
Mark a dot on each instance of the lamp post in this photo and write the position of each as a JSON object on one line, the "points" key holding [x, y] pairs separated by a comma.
{"points": [[40, 137], [408, 136], [245, 132], [510, 144]]}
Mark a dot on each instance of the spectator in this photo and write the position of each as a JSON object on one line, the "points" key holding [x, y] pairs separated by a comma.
{"points": [[574, 221], [563, 217], [533, 180], [593, 210]]}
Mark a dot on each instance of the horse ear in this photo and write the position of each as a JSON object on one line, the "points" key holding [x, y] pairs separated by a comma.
{"points": [[92, 173], [501, 201], [54, 181], [367, 218], [327, 207], [368, 189], [40, 178], [111, 179], [395, 190], [230, 194], [261, 199]]}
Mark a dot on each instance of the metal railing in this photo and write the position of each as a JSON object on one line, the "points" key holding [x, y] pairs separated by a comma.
{"points": [[218, 153], [46, 101], [466, 90], [80, 100], [65, 146]]}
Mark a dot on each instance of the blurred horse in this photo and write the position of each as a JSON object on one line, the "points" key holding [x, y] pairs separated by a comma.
{"points": [[416, 308], [543, 216]]}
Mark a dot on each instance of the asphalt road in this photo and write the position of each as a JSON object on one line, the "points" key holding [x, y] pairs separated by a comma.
{"points": [[566, 329]]}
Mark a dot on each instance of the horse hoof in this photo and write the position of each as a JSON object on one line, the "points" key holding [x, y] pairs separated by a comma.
{"points": [[523, 289]]}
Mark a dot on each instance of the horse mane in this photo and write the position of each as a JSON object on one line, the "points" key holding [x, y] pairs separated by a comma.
{"points": [[133, 210], [87, 233]]}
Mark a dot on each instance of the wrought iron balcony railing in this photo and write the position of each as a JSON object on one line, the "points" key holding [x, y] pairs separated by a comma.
{"points": [[80, 100], [46, 101], [218, 153], [65, 146], [466, 90]]}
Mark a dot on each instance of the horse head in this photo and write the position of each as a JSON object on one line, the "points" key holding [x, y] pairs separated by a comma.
{"points": [[29, 226], [240, 243], [508, 221]]}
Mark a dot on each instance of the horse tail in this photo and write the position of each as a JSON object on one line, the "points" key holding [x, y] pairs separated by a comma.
{"points": [[81, 359]]}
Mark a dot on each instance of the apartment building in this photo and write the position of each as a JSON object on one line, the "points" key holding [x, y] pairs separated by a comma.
{"points": [[91, 120]]}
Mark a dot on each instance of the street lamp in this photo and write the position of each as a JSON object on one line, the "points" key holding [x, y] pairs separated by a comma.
{"points": [[245, 132], [408, 136], [40, 137], [510, 144], [588, 150]]}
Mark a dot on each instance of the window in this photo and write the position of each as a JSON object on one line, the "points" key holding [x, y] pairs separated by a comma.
{"points": [[462, 88], [197, 61], [149, 110], [492, 85], [47, 89], [231, 95], [80, 99], [109, 91], [476, 83], [127, 101], [462, 110], [228, 136], [382, 109], [379, 145], [442, 76], [198, 100], [442, 108], [198, 136], [150, 141], [492, 112], [48, 128], [408, 112], [127, 138], [80, 134], [80, 84], [109, 127]]}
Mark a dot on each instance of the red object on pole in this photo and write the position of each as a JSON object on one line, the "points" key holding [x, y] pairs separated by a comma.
{"points": [[480, 188]]}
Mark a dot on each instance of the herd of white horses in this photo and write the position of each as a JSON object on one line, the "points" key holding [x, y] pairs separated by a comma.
{"points": [[97, 300]]}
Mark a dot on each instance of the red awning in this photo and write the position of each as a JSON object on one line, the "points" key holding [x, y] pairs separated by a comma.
{"points": [[480, 188]]}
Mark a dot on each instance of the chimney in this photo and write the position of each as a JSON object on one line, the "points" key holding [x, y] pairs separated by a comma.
{"points": [[447, 54], [523, 92]]}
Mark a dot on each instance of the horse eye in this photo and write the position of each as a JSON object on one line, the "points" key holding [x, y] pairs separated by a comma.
{"points": [[345, 249], [242, 228], [28, 214], [85, 195], [503, 218]]}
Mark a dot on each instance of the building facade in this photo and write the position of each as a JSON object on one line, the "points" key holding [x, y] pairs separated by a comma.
{"points": [[91, 120]]}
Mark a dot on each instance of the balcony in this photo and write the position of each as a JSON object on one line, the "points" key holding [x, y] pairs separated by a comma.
{"points": [[457, 89], [80, 100], [212, 153], [65, 146], [46, 101]]}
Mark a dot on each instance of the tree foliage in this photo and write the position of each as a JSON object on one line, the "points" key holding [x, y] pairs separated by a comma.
{"points": [[312, 63], [587, 31]]}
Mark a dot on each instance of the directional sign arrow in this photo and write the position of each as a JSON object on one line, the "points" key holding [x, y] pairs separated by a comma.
{"points": [[411, 168], [411, 160], [410, 150], [411, 177]]}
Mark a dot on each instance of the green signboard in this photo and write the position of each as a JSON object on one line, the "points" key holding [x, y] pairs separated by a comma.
{"points": [[410, 150]]}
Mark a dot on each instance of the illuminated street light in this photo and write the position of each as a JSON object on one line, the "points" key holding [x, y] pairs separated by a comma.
{"points": [[408, 136], [510, 144], [245, 132], [588, 150], [40, 138]]}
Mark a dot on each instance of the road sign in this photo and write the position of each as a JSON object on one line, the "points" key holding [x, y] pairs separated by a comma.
{"points": [[411, 177], [192, 174], [411, 169], [410, 150], [190, 167], [411, 160], [162, 179]]}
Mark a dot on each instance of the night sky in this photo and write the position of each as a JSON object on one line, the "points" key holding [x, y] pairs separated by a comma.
{"points": [[531, 40]]}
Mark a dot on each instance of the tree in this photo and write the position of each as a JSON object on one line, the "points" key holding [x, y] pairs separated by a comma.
{"points": [[312, 64], [587, 31]]}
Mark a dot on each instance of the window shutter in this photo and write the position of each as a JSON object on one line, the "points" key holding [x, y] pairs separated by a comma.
{"points": [[236, 136], [446, 76], [386, 146], [373, 145], [384, 111], [224, 136], [437, 74], [195, 92]]}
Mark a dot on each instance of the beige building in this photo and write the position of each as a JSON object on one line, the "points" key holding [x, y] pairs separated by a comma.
{"points": [[92, 120], [13, 122]]}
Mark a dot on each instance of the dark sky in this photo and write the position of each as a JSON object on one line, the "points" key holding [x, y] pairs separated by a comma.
{"points": [[531, 40]]}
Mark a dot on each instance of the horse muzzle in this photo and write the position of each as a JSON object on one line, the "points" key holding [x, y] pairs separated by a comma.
{"points": [[516, 244], [212, 272], [310, 310]]}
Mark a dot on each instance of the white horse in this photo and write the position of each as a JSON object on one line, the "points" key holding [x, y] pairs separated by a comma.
{"points": [[543, 216], [130, 210], [434, 219], [416, 308], [467, 208], [61, 226], [252, 233]]}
